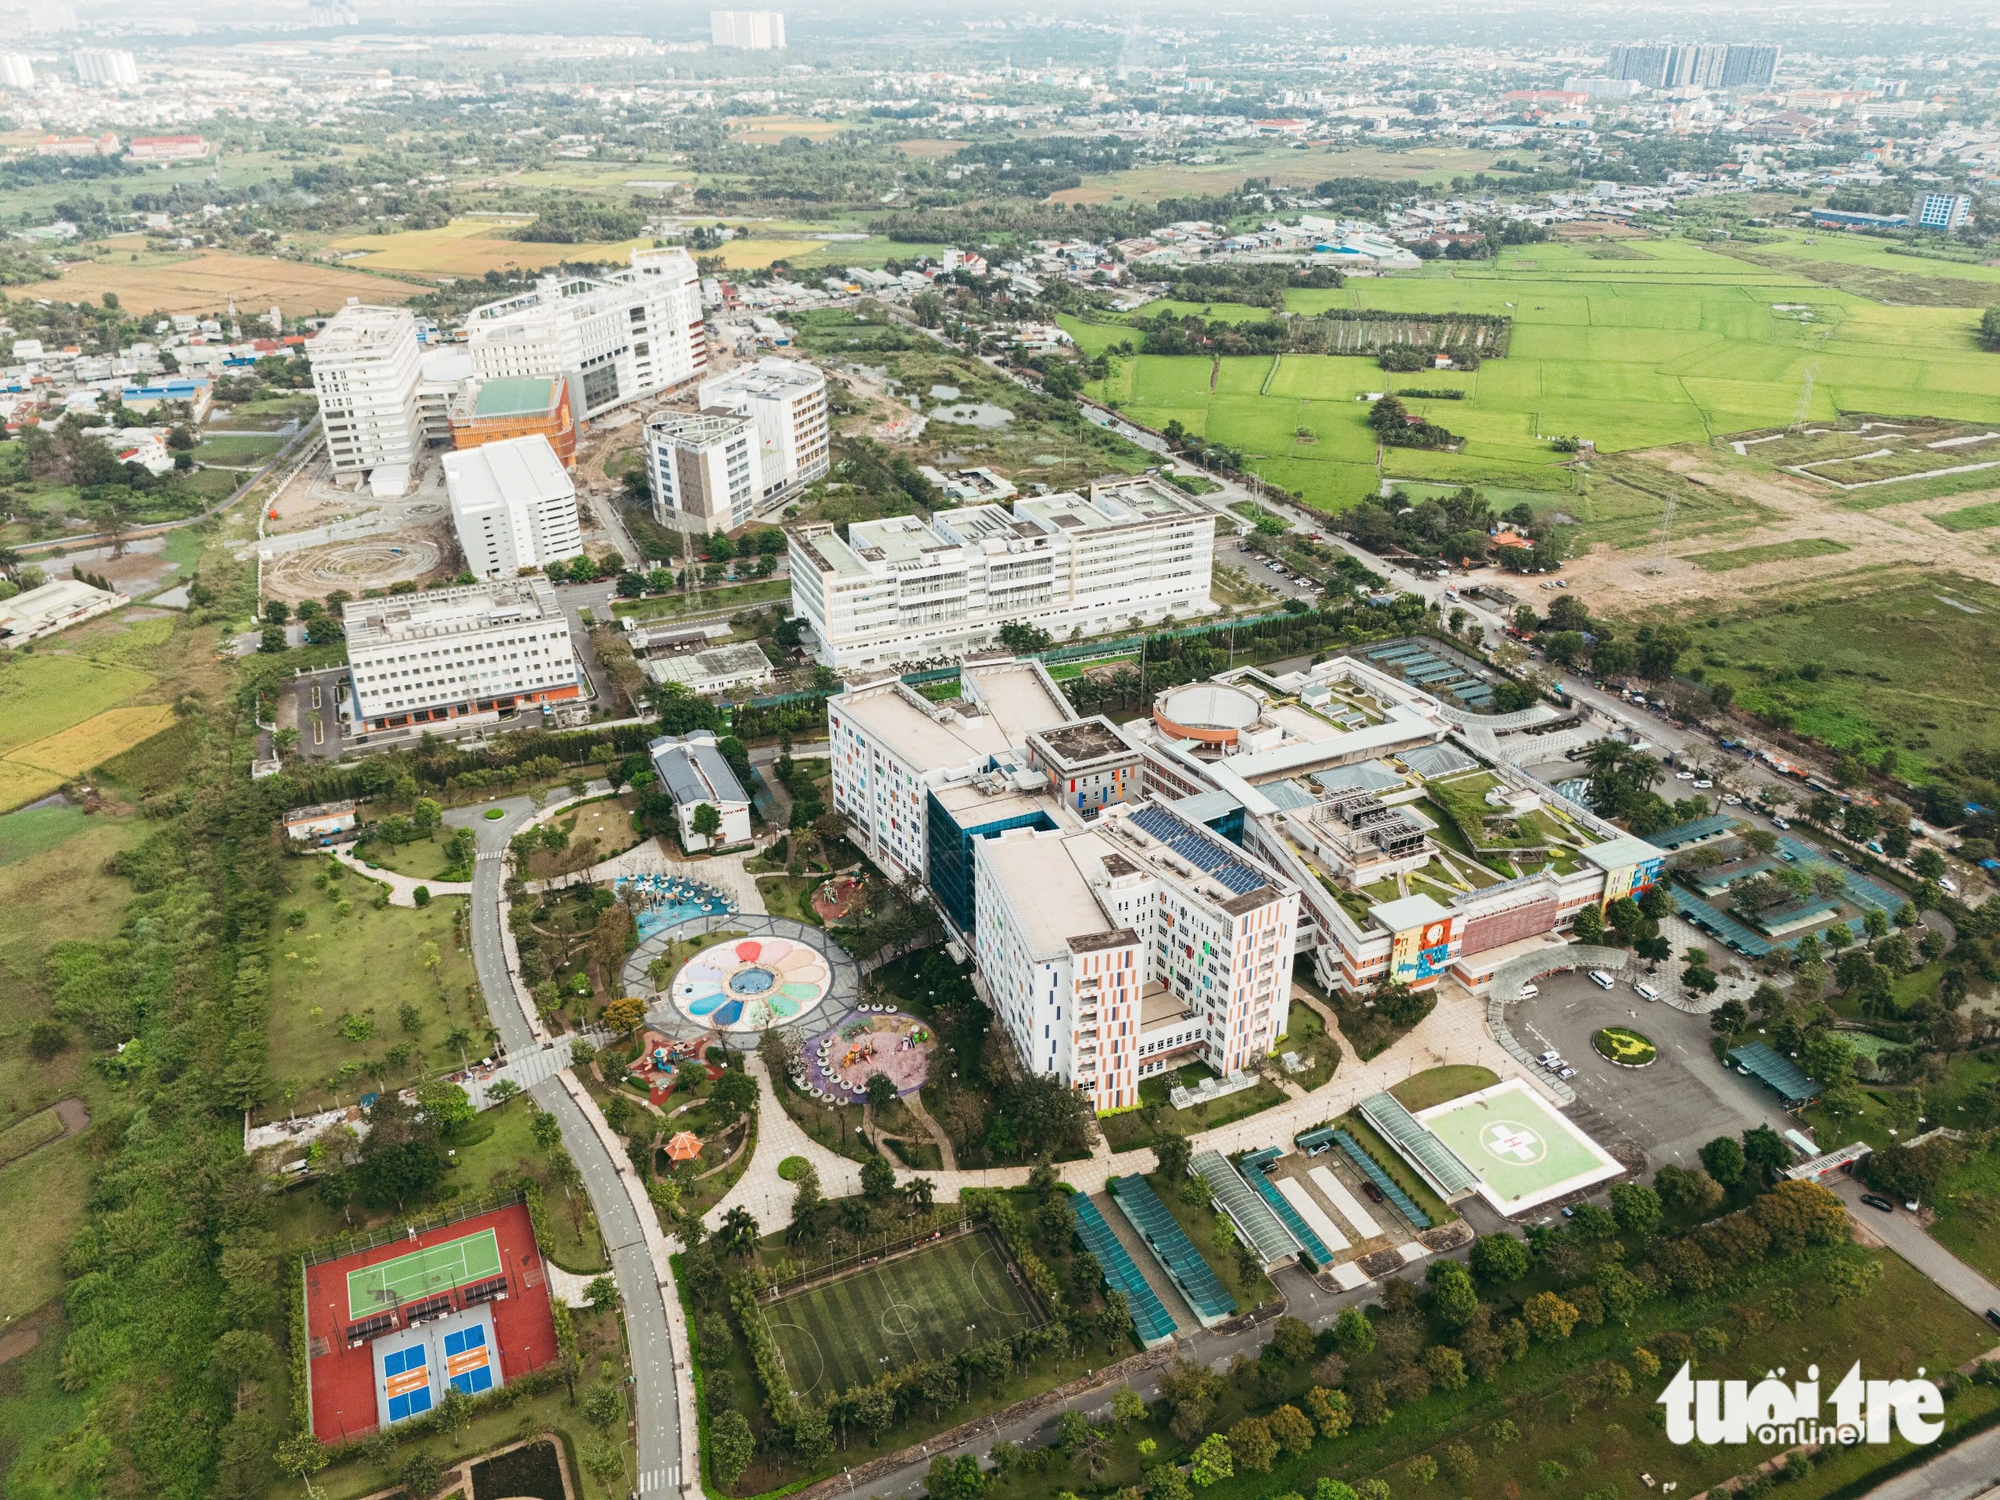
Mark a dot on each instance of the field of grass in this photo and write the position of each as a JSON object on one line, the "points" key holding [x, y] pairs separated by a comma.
{"points": [[47, 693], [921, 1306], [1436, 1085], [704, 601], [1748, 557], [204, 282], [1682, 346], [1971, 518], [237, 450], [1898, 665], [363, 966], [469, 247], [42, 1199]]}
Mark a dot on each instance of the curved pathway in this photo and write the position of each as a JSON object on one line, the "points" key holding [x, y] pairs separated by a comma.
{"points": [[402, 888], [662, 1394]]}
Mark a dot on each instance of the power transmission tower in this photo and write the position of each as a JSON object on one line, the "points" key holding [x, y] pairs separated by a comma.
{"points": [[1659, 563]]}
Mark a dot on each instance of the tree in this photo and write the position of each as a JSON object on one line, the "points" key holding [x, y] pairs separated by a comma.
{"points": [[1847, 1280], [738, 1233], [1499, 1259], [1989, 330], [1459, 1461], [706, 822], [1453, 1297], [1293, 1338], [730, 1447], [1329, 1411], [1354, 1333], [1213, 1461], [1723, 1157], [880, 1089], [1173, 1153], [1636, 1207], [421, 1474], [735, 1094], [1549, 1318], [878, 1178], [624, 1015], [1765, 1150], [602, 1294], [1252, 1445], [1167, 1482]]}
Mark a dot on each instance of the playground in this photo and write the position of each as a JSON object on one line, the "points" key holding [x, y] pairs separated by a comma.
{"points": [[839, 1062], [837, 899], [660, 1055]]}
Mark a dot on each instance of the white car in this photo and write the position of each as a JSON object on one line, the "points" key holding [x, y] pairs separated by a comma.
{"points": [[1548, 1057], [1945, 882], [1702, 783], [1730, 799], [1684, 776], [1778, 822]]}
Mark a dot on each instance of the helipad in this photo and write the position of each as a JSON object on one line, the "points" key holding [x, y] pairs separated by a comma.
{"points": [[1522, 1150]]}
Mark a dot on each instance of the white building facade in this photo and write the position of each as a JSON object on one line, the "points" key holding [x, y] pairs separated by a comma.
{"points": [[365, 370], [707, 473], [111, 67], [631, 334], [786, 399], [461, 653], [751, 30], [513, 506], [898, 589], [694, 774]]}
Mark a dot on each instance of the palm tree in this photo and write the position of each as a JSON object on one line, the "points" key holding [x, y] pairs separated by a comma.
{"points": [[919, 1193], [739, 1233]]}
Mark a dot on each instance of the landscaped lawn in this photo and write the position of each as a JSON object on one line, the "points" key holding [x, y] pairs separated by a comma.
{"points": [[1436, 1085], [358, 971], [1156, 1115]]}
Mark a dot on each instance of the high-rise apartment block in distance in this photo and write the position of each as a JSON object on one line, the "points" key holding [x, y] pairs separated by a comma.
{"points": [[752, 30], [1672, 65], [365, 369], [111, 67], [17, 70], [628, 335], [706, 473], [787, 400], [513, 506]]}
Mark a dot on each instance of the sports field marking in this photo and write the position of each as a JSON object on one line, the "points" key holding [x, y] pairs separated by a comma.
{"points": [[929, 1304], [422, 1273]]}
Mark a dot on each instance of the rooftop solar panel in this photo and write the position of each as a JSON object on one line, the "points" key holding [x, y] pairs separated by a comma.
{"points": [[1414, 1140], [1287, 1214], [1149, 1315], [1263, 1228], [1213, 857], [1174, 1250]]}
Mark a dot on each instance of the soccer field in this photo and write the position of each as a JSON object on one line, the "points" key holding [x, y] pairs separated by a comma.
{"points": [[421, 1273], [926, 1305], [1521, 1150]]}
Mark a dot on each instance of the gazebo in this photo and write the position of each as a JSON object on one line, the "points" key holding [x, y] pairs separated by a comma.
{"points": [[685, 1146]]}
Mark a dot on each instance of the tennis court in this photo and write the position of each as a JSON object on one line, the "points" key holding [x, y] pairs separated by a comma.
{"points": [[1522, 1151], [423, 1273], [928, 1304]]}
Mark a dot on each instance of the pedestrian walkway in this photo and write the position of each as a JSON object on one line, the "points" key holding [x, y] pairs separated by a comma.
{"points": [[403, 888], [1455, 1032]]}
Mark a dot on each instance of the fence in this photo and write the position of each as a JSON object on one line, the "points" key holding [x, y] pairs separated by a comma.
{"points": [[945, 1218], [355, 1244]]}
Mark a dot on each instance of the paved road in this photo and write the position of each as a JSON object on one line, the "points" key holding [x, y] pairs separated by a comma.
{"points": [[1902, 1233], [1970, 1471], [654, 1389]]}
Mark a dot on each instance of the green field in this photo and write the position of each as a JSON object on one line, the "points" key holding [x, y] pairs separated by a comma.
{"points": [[1896, 665], [421, 1273], [1972, 518], [46, 693], [921, 1306], [1681, 347], [1749, 557]]}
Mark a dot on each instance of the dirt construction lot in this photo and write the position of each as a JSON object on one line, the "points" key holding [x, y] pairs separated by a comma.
{"points": [[1802, 533]]}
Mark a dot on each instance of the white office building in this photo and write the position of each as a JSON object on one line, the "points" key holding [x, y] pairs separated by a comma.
{"points": [[365, 368], [694, 774], [513, 506], [628, 335], [1142, 942], [752, 30], [459, 654], [112, 67], [707, 470], [787, 400], [1129, 554], [17, 70], [1941, 211]]}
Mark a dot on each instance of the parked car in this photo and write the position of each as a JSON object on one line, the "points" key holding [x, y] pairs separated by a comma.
{"points": [[1529, 991], [1601, 979], [1730, 799], [1702, 783], [1946, 883], [1779, 822], [1374, 1193], [1566, 1073], [1873, 1201], [1910, 1204], [1993, 1316], [1684, 776]]}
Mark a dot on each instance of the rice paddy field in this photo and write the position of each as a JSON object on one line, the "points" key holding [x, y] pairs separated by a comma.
{"points": [[64, 718], [204, 282], [1671, 343]]}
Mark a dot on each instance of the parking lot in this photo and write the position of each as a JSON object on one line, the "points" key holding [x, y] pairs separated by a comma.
{"points": [[1257, 567], [1667, 1110]]}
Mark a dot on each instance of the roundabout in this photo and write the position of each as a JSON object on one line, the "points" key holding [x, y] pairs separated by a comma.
{"points": [[1624, 1047]]}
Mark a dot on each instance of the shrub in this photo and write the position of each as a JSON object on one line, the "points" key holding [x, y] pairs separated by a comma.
{"points": [[1460, 1462]]}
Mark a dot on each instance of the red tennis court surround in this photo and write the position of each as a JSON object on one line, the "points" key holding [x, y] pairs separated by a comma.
{"points": [[342, 1339]]}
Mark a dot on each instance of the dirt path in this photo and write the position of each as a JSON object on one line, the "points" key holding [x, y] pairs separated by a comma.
{"points": [[1900, 535]]}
